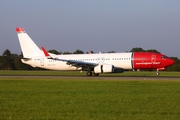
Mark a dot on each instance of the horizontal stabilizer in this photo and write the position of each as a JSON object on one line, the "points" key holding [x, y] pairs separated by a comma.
{"points": [[26, 58], [23, 58]]}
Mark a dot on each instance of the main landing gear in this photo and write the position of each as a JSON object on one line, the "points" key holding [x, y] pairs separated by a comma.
{"points": [[89, 73]]}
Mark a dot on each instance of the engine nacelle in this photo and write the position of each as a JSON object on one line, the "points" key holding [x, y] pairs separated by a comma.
{"points": [[104, 69]]}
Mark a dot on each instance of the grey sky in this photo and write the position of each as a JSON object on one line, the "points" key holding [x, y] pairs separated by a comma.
{"points": [[98, 25]]}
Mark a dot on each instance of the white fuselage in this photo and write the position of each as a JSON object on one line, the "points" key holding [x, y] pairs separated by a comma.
{"points": [[119, 60]]}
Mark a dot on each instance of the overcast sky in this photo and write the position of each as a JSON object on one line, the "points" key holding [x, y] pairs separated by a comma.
{"points": [[98, 25]]}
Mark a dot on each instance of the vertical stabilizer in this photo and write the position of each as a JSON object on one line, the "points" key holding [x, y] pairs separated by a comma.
{"points": [[28, 47]]}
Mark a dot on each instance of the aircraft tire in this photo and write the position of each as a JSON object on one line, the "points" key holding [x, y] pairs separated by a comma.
{"points": [[157, 73], [89, 73]]}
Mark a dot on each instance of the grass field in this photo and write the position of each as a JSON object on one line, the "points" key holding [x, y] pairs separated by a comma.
{"points": [[92, 99]]}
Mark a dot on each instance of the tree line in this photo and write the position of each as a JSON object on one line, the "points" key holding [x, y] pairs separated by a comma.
{"points": [[12, 61]]}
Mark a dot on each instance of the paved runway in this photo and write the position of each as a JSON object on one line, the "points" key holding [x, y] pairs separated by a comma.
{"points": [[98, 78]]}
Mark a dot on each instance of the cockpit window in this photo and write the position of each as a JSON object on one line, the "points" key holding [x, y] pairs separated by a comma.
{"points": [[164, 57]]}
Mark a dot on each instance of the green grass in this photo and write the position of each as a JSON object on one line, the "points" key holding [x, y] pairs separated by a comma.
{"points": [[80, 99]]}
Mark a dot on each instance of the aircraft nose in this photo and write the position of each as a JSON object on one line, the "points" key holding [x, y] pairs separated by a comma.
{"points": [[171, 61]]}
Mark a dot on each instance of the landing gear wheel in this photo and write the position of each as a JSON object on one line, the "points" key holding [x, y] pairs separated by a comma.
{"points": [[157, 73], [89, 73]]}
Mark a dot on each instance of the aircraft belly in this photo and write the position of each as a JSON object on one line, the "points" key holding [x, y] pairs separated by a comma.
{"points": [[123, 64], [59, 66]]}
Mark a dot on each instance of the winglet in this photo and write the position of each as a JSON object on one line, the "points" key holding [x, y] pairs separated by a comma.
{"points": [[46, 53], [20, 30]]}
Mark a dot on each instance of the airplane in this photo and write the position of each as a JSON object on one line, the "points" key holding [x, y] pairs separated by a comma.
{"points": [[93, 64]]}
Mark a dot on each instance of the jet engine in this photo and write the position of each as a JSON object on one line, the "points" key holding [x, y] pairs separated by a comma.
{"points": [[104, 69]]}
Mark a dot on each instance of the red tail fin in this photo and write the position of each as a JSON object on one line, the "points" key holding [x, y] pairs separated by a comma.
{"points": [[19, 30]]}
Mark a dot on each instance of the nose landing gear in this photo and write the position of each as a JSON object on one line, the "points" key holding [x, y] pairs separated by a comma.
{"points": [[157, 72]]}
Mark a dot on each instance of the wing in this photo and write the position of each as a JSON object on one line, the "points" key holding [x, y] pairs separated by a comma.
{"points": [[78, 64]]}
